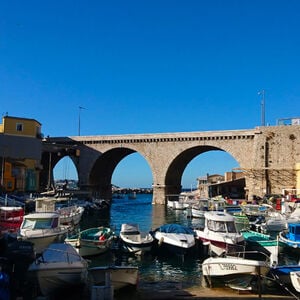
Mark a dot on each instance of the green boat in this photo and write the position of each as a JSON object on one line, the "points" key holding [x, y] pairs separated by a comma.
{"points": [[264, 243]]}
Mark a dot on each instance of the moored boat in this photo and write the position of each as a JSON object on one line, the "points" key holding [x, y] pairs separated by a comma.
{"points": [[120, 276], [174, 238], [264, 243], [91, 241], [42, 229], [11, 218], [286, 275], [236, 271], [199, 209], [220, 233], [291, 237], [134, 240], [59, 267], [69, 214]]}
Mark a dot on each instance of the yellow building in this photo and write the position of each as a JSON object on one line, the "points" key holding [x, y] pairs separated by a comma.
{"points": [[20, 126], [20, 154]]}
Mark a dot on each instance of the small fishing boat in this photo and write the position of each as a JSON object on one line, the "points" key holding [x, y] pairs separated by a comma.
{"points": [[91, 241], [42, 229], [263, 243], [134, 240], [59, 267], [199, 209], [220, 233], [236, 271], [69, 214], [291, 237], [120, 276], [272, 221], [175, 238], [255, 212]]}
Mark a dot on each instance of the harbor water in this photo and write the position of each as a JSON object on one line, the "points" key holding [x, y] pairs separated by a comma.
{"points": [[159, 272], [156, 272]]}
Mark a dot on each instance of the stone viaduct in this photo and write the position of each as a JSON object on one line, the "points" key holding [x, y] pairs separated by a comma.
{"points": [[268, 155]]}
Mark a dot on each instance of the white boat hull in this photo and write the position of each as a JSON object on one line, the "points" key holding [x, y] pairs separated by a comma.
{"points": [[71, 215], [133, 240], [226, 266], [57, 278], [42, 229], [178, 243], [58, 268], [295, 279], [120, 276]]}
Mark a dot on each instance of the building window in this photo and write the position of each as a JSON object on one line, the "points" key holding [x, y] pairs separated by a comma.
{"points": [[19, 127]]}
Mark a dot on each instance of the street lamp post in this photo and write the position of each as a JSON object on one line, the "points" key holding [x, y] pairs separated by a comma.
{"points": [[80, 108], [262, 93]]}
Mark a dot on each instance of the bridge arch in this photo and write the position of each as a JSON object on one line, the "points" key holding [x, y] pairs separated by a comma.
{"points": [[100, 178], [174, 172]]}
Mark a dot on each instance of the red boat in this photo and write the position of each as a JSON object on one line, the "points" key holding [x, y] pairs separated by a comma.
{"points": [[11, 218]]}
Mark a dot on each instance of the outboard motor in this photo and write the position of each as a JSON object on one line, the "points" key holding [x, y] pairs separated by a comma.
{"points": [[20, 254]]}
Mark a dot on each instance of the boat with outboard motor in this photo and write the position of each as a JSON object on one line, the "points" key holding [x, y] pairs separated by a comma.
{"points": [[174, 238], [235, 269], [220, 233], [133, 240]]}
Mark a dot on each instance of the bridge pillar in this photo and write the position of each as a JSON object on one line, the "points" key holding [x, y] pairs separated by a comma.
{"points": [[160, 191], [105, 192]]}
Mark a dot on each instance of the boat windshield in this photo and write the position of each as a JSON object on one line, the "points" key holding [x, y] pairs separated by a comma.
{"points": [[221, 226], [231, 227], [39, 224]]}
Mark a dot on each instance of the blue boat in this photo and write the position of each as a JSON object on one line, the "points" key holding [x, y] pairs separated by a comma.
{"points": [[284, 275], [291, 237]]}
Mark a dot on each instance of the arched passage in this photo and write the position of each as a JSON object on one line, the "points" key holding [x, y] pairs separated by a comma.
{"points": [[174, 173], [102, 171], [65, 169]]}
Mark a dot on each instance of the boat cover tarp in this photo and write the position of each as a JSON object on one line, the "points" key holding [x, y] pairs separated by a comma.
{"points": [[175, 228], [60, 252]]}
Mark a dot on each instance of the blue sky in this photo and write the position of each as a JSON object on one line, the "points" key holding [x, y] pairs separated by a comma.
{"points": [[150, 67]]}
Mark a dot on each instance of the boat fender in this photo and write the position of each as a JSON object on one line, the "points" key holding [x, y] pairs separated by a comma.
{"points": [[77, 245], [161, 240], [102, 237]]}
